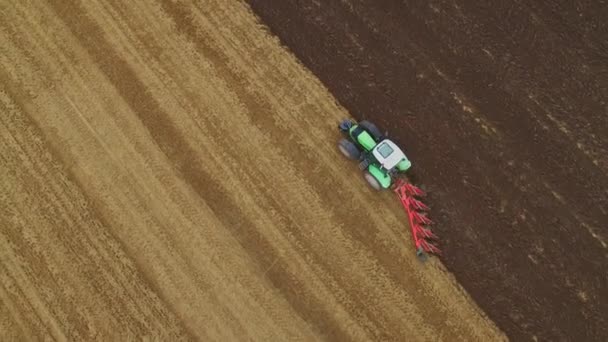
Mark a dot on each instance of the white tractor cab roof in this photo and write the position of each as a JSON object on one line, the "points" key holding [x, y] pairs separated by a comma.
{"points": [[388, 154]]}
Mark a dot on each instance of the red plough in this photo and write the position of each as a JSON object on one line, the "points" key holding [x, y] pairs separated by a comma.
{"points": [[422, 236]]}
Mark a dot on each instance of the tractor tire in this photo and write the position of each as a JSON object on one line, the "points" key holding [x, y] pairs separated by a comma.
{"points": [[349, 150], [372, 181], [371, 129]]}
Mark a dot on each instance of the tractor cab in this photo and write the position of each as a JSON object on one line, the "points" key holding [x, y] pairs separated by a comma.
{"points": [[390, 156]]}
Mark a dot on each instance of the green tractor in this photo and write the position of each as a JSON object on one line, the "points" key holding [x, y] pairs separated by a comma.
{"points": [[379, 158]]}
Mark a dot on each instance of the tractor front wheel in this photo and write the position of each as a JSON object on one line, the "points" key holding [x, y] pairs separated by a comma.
{"points": [[371, 129], [372, 181], [349, 150]]}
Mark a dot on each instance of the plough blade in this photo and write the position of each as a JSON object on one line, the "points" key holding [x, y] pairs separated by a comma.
{"points": [[429, 248], [421, 218], [426, 233], [413, 190], [418, 205]]}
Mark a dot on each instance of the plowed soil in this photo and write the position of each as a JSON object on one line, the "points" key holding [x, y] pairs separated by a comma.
{"points": [[168, 170], [503, 108]]}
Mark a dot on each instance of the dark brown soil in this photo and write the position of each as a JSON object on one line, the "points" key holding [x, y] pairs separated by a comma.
{"points": [[504, 111]]}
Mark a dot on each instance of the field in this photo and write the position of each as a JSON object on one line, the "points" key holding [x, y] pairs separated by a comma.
{"points": [[169, 170], [503, 107]]}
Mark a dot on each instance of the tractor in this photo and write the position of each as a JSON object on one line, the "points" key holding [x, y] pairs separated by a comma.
{"points": [[379, 158]]}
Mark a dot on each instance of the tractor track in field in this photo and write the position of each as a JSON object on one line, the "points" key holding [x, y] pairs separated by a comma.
{"points": [[167, 170], [503, 109]]}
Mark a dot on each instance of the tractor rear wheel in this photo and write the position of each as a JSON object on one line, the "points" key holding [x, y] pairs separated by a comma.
{"points": [[349, 150], [371, 129], [371, 180]]}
